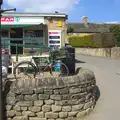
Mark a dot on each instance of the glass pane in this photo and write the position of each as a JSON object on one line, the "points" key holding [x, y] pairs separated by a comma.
{"points": [[5, 42], [33, 42], [33, 38], [5, 39], [33, 33]]}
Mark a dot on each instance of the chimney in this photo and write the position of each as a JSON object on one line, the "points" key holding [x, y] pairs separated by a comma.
{"points": [[85, 21]]}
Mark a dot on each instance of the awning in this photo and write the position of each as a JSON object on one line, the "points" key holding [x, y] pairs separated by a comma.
{"points": [[18, 26]]}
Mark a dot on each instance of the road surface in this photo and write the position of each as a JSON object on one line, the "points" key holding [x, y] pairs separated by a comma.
{"points": [[105, 69]]}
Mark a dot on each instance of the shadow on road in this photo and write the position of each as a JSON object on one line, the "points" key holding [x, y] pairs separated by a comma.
{"points": [[78, 61]]}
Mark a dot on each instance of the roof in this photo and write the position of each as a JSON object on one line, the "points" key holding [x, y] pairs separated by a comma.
{"points": [[34, 14], [92, 27]]}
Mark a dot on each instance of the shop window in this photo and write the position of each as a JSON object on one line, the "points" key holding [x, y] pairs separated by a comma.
{"points": [[33, 38], [33, 33]]}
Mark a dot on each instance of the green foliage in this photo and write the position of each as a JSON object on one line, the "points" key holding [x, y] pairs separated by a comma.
{"points": [[69, 30], [82, 41], [115, 29]]}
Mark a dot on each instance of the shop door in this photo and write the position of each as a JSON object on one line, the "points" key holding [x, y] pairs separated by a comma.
{"points": [[16, 36]]}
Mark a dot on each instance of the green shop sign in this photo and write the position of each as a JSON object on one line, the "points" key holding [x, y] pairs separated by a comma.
{"points": [[16, 19]]}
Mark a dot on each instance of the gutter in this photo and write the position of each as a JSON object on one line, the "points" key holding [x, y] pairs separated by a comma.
{"points": [[15, 14]]}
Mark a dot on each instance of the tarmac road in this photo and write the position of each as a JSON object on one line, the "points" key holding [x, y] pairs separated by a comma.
{"points": [[107, 73]]}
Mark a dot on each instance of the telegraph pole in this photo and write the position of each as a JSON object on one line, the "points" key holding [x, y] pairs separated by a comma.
{"points": [[1, 86]]}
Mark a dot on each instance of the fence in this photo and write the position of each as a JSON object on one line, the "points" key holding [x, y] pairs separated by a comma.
{"points": [[26, 43]]}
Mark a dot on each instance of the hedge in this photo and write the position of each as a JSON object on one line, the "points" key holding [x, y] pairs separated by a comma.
{"points": [[82, 41]]}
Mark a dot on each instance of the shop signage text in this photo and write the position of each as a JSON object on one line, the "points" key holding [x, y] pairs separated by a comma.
{"points": [[22, 20], [54, 32], [10, 19]]}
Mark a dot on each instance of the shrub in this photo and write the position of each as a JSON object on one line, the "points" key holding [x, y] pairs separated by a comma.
{"points": [[82, 41], [115, 29]]}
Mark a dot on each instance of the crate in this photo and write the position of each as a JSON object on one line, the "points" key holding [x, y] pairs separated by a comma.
{"points": [[58, 54], [41, 61]]}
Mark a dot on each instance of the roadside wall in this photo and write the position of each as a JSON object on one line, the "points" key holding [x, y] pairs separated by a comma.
{"points": [[102, 52], [67, 98], [115, 52]]}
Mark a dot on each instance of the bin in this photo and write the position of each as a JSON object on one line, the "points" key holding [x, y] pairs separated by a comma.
{"points": [[69, 61]]}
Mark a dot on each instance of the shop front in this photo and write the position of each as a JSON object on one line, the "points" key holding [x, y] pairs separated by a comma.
{"points": [[30, 30]]}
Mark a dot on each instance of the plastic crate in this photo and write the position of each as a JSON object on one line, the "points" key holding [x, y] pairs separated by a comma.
{"points": [[40, 61], [58, 54]]}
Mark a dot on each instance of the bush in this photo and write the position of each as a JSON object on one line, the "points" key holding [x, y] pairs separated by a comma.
{"points": [[82, 41], [115, 29]]}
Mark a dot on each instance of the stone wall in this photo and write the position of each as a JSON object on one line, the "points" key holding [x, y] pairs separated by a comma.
{"points": [[115, 52], [101, 52], [53, 23], [67, 98], [108, 40]]}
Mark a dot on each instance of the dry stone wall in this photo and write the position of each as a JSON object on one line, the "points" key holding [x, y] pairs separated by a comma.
{"points": [[67, 98], [113, 52]]}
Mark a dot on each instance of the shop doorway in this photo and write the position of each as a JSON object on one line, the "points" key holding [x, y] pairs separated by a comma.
{"points": [[15, 35]]}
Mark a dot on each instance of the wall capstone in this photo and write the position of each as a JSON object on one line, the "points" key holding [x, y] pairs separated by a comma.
{"points": [[66, 98]]}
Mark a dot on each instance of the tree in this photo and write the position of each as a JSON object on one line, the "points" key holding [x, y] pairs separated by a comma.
{"points": [[69, 29], [115, 29]]}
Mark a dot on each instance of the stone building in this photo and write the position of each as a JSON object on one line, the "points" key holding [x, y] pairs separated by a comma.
{"points": [[31, 29]]}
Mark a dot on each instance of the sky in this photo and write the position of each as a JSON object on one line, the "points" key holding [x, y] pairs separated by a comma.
{"points": [[98, 11]]}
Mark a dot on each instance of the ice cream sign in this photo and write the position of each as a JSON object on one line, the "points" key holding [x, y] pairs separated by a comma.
{"points": [[10, 19]]}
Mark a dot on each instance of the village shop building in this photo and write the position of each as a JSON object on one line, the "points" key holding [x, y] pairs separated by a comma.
{"points": [[32, 29]]}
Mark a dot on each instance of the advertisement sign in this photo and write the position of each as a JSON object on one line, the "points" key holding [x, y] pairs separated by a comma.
{"points": [[54, 38], [60, 23], [10, 19], [22, 20]]}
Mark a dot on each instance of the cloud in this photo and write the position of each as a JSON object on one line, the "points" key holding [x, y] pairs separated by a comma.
{"points": [[113, 22], [43, 5]]}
